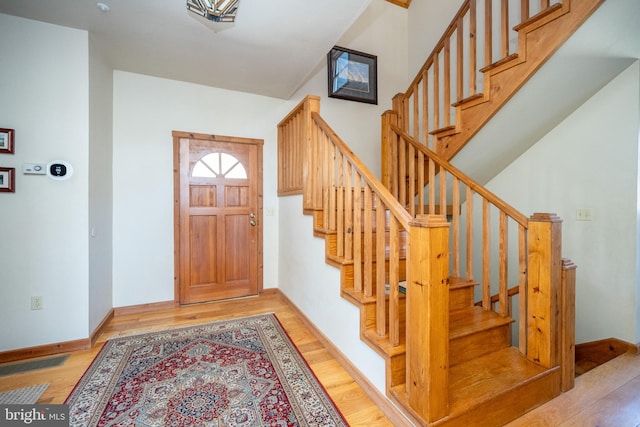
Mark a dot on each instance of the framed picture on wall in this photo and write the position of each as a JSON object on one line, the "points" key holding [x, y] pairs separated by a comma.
{"points": [[353, 75], [6, 141], [7, 180]]}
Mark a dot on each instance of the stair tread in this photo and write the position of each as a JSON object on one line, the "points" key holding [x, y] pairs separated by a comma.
{"points": [[539, 18], [447, 130], [383, 345], [507, 59], [461, 282], [475, 99], [359, 296], [466, 321], [482, 378]]}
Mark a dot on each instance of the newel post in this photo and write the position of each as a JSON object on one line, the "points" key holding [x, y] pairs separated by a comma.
{"points": [[311, 167], [428, 317], [544, 289], [397, 105]]}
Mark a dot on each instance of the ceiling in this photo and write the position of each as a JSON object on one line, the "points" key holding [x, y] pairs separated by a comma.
{"points": [[271, 49]]}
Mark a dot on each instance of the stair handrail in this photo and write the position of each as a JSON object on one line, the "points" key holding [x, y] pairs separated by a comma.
{"points": [[466, 179], [394, 206]]}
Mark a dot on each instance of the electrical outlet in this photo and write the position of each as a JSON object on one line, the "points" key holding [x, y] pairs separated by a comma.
{"points": [[37, 303]]}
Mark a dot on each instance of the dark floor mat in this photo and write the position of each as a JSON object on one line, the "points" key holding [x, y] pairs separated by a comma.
{"points": [[32, 365]]}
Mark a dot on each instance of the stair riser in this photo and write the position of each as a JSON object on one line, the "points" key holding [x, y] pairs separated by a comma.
{"points": [[348, 275], [319, 222], [479, 343], [508, 405], [368, 314], [396, 371], [461, 298], [332, 244]]}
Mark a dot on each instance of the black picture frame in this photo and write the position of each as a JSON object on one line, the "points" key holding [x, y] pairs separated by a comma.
{"points": [[353, 75]]}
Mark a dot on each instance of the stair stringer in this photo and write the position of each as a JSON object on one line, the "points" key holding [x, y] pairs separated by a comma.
{"points": [[538, 39]]}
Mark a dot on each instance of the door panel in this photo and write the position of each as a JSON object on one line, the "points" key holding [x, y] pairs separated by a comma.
{"points": [[236, 268], [203, 233], [219, 234]]}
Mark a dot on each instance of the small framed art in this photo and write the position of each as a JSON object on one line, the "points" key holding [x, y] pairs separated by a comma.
{"points": [[6, 141], [7, 180], [353, 75]]}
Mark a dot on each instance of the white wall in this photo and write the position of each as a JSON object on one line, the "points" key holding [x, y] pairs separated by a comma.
{"points": [[590, 160], [43, 225], [382, 31], [146, 111], [303, 275], [100, 187], [427, 22]]}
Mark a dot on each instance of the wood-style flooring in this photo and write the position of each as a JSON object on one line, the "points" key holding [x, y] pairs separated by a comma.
{"points": [[349, 397], [608, 395]]}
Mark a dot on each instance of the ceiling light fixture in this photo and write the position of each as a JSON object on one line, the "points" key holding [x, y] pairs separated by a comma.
{"points": [[103, 7], [214, 10]]}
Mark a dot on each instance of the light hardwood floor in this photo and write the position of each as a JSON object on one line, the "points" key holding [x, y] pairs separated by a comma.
{"points": [[350, 398], [608, 395]]}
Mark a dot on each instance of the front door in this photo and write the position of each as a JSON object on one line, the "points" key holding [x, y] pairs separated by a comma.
{"points": [[218, 236]]}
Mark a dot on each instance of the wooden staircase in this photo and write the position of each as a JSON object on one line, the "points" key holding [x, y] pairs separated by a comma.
{"points": [[436, 288], [448, 358], [486, 374]]}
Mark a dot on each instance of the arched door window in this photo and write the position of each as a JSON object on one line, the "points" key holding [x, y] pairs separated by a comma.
{"points": [[219, 165]]}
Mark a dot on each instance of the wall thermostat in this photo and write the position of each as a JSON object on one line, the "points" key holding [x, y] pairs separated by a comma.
{"points": [[59, 170]]}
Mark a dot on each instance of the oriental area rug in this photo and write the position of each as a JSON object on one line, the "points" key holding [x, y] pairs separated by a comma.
{"points": [[239, 372]]}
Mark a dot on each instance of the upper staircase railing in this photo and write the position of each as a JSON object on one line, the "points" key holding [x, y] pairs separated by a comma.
{"points": [[369, 229], [485, 38]]}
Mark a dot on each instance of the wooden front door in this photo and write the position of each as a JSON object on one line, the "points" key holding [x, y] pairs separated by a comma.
{"points": [[218, 210]]}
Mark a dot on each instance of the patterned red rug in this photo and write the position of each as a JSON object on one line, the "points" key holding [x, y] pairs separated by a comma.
{"points": [[239, 372]]}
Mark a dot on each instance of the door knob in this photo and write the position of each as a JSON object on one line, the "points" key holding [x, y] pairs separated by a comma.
{"points": [[253, 223]]}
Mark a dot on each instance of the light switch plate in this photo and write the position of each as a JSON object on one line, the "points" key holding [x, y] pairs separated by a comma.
{"points": [[584, 214]]}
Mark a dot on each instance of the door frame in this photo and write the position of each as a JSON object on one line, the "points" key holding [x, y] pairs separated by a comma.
{"points": [[177, 136]]}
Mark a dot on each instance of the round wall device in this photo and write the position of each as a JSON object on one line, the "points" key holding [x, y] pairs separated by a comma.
{"points": [[59, 170]]}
